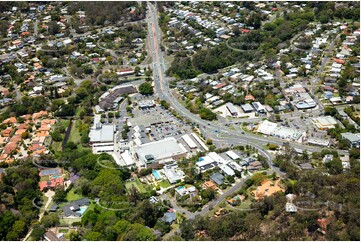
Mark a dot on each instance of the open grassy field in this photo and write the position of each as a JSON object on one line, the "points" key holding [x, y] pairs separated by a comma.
{"points": [[71, 196], [68, 221]]}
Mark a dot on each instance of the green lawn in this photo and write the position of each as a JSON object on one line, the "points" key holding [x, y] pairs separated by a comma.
{"points": [[137, 184], [68, 221], [79, 109], [164, 184], [64, 123], [56, 146], [75, 134], [71, 196]]}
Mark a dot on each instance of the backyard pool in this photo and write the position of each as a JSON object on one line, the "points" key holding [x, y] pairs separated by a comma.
{"points": [[82, 209], [156, 175], [180, 188]]}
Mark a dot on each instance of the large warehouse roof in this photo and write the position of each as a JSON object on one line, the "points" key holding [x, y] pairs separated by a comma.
{"points": [[161, 149], [103, 133]]}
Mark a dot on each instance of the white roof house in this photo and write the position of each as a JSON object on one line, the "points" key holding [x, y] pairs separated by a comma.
{"points": [[232, 155], [227, 170], [217, 158]]}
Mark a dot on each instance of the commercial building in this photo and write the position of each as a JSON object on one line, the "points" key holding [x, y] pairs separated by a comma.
{"points": [[247, 108], [110, 99], [324, 123], [203, 145], [266, 127], [301, 99], [143, 104], [102, 138], [217, 158], [189, 141], [103, 133], [232, 109], [235, 166], [259, 107], [353, 139], [127, 158], [320, 142], [155, 152]]}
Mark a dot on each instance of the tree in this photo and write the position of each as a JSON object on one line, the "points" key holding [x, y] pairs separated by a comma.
{"points": [[258, 178], [53, 28], [60, 196], [50, 220], [187, 230], [17, 231], [94, 236], [74, 236], [146, 88], [137, 70], [208, 194], [38, 232], [207, 114], [71, 145], [138, 232], [334, 166], [25, 135], [56, 136]]}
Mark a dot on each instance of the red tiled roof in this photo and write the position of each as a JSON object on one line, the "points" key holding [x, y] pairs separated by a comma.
{"points": [[249, 97], [52, 183], [219, 85], [339, 61]]}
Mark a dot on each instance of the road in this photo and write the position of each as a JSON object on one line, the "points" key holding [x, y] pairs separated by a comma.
{"points": [[36, 28], [49, 194]]}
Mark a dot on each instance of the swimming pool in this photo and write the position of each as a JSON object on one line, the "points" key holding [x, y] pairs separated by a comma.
{"points": [[156, 174], [56, 176], [180, 188], [83, 209]]}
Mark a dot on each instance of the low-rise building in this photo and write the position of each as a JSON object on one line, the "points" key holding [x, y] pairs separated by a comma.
{"points": [[324, 123], [217, 178], [155, 152], [173, 173], [232, 109], [352, 139]]}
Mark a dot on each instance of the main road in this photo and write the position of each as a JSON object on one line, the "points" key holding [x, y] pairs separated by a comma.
{"points": [[210, 129]]}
